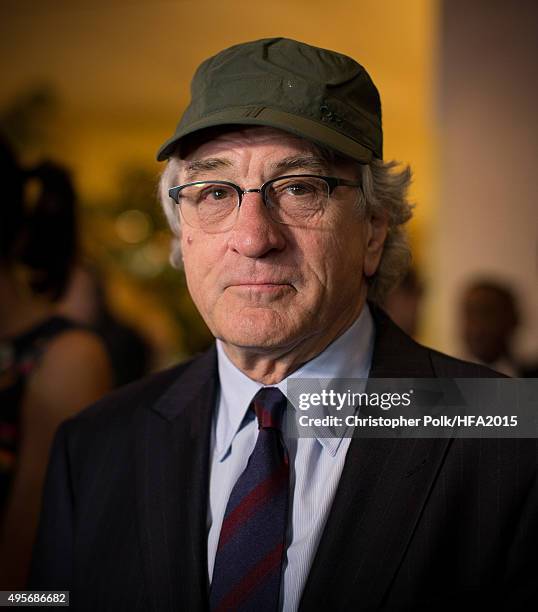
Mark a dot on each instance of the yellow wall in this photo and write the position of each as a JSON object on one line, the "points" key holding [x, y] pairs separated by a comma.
{"points": [[121, 69]]}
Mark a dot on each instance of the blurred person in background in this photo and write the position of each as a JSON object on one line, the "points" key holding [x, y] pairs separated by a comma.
{"points": [[85, 301], [403, 303], [50, 367], [490, 317]]}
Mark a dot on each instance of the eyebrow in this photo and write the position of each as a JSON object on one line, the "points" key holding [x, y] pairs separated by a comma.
{"points": [[198, 167], [311, 163]]}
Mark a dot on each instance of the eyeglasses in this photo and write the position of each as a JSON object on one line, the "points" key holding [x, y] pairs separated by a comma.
{"points": [[299, 199]]}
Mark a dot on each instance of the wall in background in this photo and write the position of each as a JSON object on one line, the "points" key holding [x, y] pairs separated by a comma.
{"points": [[487, 221], [117, 75]]}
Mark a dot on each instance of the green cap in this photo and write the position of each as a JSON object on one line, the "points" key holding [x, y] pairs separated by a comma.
{"points": [[323, 96]]}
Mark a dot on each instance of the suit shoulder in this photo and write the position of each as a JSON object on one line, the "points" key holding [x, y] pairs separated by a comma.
{"points": [[121, 403], [446, 366], [397, 355]]}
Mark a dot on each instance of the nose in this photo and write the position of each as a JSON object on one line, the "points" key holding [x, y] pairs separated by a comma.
{"points": [[255, 234]]}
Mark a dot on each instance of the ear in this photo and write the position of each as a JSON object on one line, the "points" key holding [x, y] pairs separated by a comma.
{"points": [[376, 234]]}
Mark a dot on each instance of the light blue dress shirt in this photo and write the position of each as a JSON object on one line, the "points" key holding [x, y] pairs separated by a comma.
{"points": [[316, 463]]}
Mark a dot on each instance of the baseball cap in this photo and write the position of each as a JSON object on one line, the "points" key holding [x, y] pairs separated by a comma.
{"points": [[317, 94]]}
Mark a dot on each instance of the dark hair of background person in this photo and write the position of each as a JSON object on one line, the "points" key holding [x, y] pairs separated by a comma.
{"points": [[40, 234], [490, 317]]}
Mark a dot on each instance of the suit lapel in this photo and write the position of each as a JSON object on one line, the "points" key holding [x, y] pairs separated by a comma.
{"points": [[380, 496], [172, 442]]}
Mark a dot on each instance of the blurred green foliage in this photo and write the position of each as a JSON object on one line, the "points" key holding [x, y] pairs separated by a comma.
{"points": [[146, 260]]}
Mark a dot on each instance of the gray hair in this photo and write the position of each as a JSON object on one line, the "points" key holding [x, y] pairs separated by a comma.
{"points": [[384, 192]]}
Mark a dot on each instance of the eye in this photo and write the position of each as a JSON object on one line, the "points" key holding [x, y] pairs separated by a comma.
{"points": [[211, 193], [216, 192], [298, 188]]}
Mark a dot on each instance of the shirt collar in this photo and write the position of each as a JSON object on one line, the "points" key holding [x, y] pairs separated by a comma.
{"points": [[349, 356], [236, 392]]}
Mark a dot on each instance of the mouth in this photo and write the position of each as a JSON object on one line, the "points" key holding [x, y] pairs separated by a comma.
{"points": [[260, 286]]}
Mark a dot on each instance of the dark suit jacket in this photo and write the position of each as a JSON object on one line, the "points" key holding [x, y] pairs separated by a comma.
{"points": [[415, 524]]}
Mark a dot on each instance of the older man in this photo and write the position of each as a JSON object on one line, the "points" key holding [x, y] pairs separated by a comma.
{"points": [[182, 492]]}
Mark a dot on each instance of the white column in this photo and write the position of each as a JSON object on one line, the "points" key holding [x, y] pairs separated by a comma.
{"points": [[487, 222]]}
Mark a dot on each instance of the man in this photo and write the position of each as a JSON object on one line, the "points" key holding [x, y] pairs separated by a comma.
{"points": [[489, 319], [181, 492]]}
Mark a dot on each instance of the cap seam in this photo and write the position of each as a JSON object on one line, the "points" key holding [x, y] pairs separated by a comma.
{"points": [[274, 107], [294, 107]]}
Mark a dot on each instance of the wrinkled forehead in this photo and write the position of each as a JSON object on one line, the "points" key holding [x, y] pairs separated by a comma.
{"points": [[273, 144], [207, 142]]}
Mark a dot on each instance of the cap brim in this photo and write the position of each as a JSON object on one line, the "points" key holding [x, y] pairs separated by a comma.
{"points": [[318, 133]]}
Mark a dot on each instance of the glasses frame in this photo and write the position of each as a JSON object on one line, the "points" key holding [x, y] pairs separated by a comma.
{"points": [[332, 183]]}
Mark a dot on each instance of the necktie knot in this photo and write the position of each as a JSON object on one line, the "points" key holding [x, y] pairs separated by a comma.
{"points": [[269, 405]]}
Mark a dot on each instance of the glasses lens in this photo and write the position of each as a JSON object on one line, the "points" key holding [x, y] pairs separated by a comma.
{"points": [[297, 199], [209, 206]]}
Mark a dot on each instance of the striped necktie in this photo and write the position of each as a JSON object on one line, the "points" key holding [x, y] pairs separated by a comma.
{"points": [[248, 563]]}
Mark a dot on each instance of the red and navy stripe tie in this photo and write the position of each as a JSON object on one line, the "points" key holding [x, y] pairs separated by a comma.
{"points": [[252, 542]]}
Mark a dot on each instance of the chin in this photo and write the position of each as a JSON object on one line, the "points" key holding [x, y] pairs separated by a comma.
{"points": [[257, 328]]}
